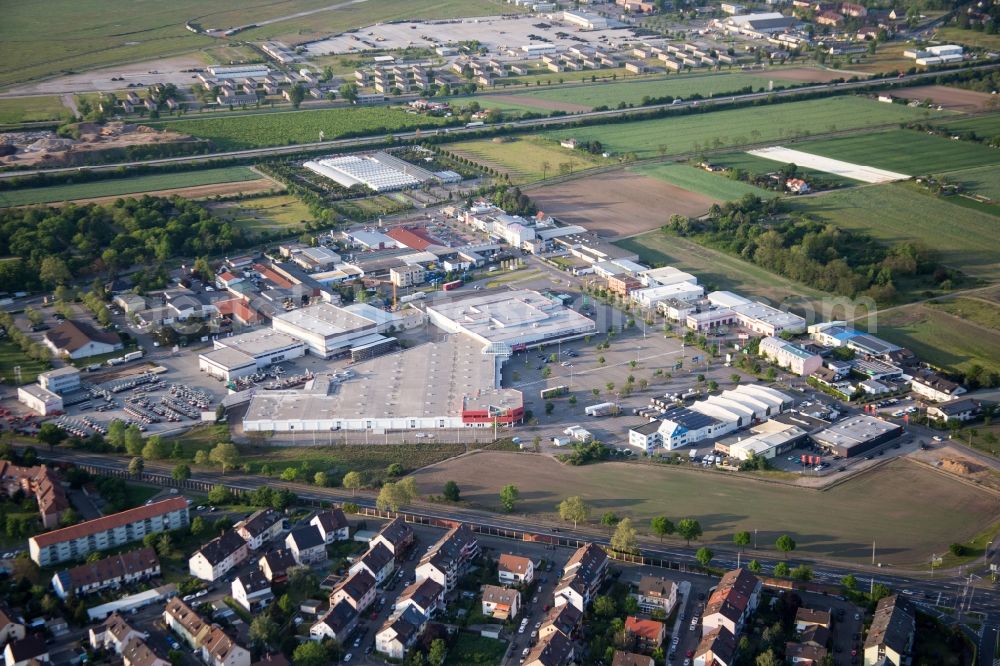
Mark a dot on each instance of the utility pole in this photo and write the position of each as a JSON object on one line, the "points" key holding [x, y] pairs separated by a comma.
{"points": [[873, 552]]}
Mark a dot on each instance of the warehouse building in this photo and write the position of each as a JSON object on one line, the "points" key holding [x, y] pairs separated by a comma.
{"points": [[39, 399], [511, 320], [446, 384], [326, 330], [585, 20], [756, 316], [241, 355], [769, 439], [683, 291], [856, 435]]}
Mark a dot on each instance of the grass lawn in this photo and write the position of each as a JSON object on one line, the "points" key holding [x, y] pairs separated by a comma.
{"points": [[12, 356], [965, 238], [939, 335], [698, 180], [30, 109], [908, 525], [474, 650], [904, 151], [717, 270], [292, 127], [268, 213], [984, 181], [526, 156], [126, 186], [955, 35], [633, 92], [718, 129], [137, 494], [761, 165]]}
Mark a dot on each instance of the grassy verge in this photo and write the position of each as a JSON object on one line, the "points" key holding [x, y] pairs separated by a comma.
{"points": [[32, 109], [11, 357], [474, 650]]}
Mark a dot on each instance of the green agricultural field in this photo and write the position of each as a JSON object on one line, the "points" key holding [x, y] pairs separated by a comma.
{"points": [[291, 127], [754, 164], [74, 35], [125, 186], [904, 151], [691, 178], [525, 157], [633, 92], [908, 525], [964, 237], [949, 336], [984, 181], [718, 129], [32, 109], [718, 270], [988, 125], [267, 213]]}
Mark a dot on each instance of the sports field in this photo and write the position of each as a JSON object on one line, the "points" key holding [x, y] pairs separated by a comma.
{"points": [[32, 109], [951, 335], [291, 127], [906, 151], [632, 92], [526, 158], [124, 186], [718, 129], [911, 510], [693, 179], [717, 270], [965, 238]]}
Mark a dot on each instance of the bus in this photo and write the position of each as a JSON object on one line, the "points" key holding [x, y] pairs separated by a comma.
{"points": [[454, 284]]}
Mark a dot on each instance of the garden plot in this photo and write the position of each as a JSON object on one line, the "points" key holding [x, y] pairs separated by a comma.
{"points": [[865, 174]]}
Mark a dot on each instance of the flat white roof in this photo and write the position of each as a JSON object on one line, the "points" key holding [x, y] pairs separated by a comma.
{"points": [[324, 319], [261, 342], [60, 372]]}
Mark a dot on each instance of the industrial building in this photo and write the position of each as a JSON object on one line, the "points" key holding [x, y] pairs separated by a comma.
{"points": [[756, 316], [510, 320], [239, 71], [241, 355], [683, 291], [326, 330], [61, 380], [39, 399], [856, 435], [769, 439], [790, 356], [447, 384], [379, 172], [585, 20]]}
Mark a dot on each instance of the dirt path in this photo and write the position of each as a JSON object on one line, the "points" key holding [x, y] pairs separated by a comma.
{"points": [[69, 101]]}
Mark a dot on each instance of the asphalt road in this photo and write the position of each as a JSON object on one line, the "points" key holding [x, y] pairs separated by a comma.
{"points": [[533, 122]]}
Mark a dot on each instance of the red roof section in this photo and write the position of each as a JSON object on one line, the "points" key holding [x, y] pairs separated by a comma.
{"points": [[412, 237], [103, 523], [273, 276], [650, 630]]}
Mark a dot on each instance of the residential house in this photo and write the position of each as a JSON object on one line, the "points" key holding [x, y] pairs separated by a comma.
{"points": [[252, 591], [137, 653], [11, 629], [654, 593], [501, 603], [28, 650], [553, 650], [219, 649], [185, 622], [377, 561], [399, 633], [962, 409], [631, 659], [113, 571], [934, 387], [395, 535], [77, 339], [107, 532], [219, 556], [337, 623], [515, 570], [734, 599], [274, 564], [358, 590], [332, 525], [113, 634], [890, 636], [260, 527], [427, 596], [564, 619], [449, 557], [809, 617], [582, 577], [307, 545], [717, 648], [644, 635], [805, 654], [273, 660]]}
